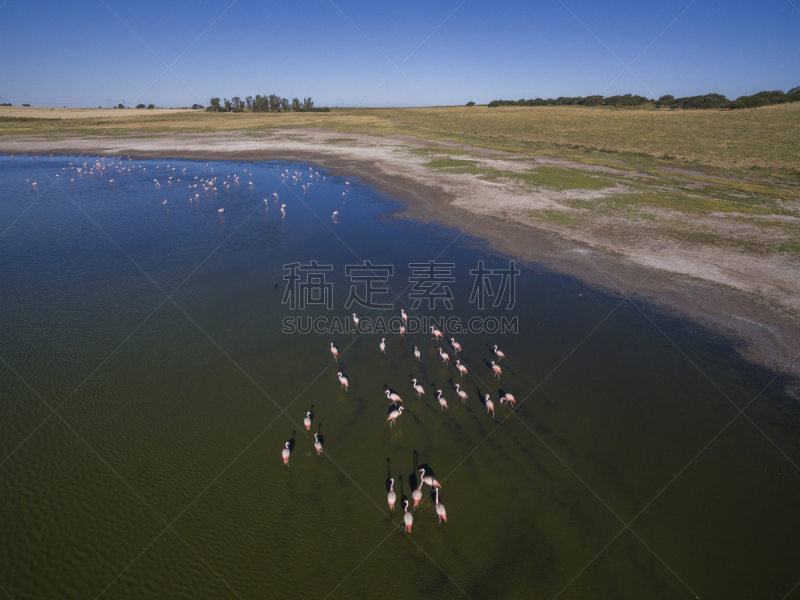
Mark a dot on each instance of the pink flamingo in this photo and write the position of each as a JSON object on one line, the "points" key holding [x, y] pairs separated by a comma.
{"points": [[383, 345], [285, 454], [335, 351], [430, 481], [307, 421], [444, 355], [436, 334], [391, 497], [418, 388], [343, 380], [393, 397], [317, 444], [442, 401], [500, 355], [456, 345], [408, 518], [489, 405], [416, 495], [417, 354], [461, 393], [461, 368], [440, 509], [497, 369], [393, 415], [508, 398]]}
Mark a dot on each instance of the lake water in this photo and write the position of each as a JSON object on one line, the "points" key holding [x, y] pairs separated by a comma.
{"points": [[157, 330]]}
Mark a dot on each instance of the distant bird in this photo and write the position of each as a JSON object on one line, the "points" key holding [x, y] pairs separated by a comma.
{"points": [[444, 355], [402, 329], [307, 421], [394, 414], [164, 202], [335, 215], [408, 518], [317, 444], [393, 397], [489, 405], [383, 345], [404, 315], [285, 454], [221, 210], [461, 368], [497, 370], [355, 320], [343, 380], [442, 401], [461, 393], [430, 480], [456, 345], [417, 354], [440, 509], [500, 355], [276, 197], [417, 388], [416, 495], [283, 212], [436, 333], [391, 497], [508, 398], [335, 351]]}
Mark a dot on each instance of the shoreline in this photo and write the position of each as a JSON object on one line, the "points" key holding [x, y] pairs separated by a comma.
{"points": [[760, 315]]}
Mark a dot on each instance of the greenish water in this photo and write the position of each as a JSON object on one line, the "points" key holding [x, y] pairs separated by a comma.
{"points": [[161, 474]]}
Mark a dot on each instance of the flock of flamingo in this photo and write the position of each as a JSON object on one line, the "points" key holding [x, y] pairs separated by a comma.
{"points": [[396, 410]]}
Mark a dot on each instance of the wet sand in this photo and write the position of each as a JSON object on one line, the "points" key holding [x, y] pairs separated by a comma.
{"points": [[753, 299]]}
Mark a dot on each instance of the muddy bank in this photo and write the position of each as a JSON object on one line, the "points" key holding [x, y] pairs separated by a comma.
{"points": [[752, 298]]}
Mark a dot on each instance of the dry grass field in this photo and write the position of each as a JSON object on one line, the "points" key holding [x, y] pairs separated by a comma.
{"points": [[721, 141]]}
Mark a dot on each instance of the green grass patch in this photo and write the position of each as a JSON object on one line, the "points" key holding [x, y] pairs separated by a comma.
{"points": [[562, 179], [691, 204], [432, 150], [556, 217], [339, 140]]}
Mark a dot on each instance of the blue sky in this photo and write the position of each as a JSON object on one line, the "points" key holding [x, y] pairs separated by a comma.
{"points": [[345, 52]]}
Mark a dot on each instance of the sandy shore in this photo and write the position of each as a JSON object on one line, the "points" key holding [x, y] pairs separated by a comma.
{"points": [[754, 299]]}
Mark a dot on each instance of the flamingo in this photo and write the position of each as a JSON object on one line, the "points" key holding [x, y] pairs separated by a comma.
{"points": [[430, 481], [276, 197], [417, 354], [461, 393], [456, 345], [285, 454], [335, 215], [500, 355], [461, 368], [393, 397], [404, 315], [402, 329], [317, 444], [355, 320], [416, 495], [383, 345], [436, 333], [283, 212], [343, 380], [391, 497], [508, 398], [335, 351], [221, 210], [497, 369], [418, 388], [440, 509], [444, 355], [394, 414], [489, 405], [408, 518], [442, 401], [307, 421]]}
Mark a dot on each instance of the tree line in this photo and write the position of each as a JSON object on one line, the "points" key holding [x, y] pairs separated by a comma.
{"points": [[271, 103], [717, 101]]}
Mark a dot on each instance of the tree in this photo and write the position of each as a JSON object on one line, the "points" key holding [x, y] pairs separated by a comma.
{"points": [[153, 106], [140, 106], [214, 105], [296, 106], [284, 104], [120, 105], [308, 104], [227, 105], [236, 104], [470, 103], [196, 106]]}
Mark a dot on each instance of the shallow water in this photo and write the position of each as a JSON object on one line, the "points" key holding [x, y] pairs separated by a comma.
{"points": [[157, 331]]}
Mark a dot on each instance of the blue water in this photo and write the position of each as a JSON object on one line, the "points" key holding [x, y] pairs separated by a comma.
{"points": [[158, 332]]}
